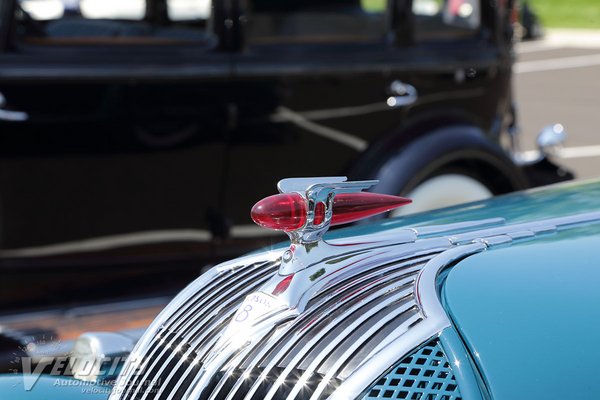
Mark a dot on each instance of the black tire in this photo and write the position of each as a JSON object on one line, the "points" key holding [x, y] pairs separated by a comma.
{"points": [[459, 148]]}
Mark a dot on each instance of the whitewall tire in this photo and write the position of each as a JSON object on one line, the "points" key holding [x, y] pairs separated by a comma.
{"points": [[443, 191]]}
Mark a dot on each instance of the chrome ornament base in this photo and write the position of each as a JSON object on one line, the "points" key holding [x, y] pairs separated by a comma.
{"points": [[318, 191]]}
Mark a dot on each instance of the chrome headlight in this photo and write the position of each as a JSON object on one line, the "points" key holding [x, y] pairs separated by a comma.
{"points": [[99, 354]]}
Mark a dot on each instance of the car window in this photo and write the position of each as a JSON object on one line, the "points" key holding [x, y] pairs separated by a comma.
{"points": [[315, 21], [186, 10], [446, 19], [112, 21], [5, 13]]}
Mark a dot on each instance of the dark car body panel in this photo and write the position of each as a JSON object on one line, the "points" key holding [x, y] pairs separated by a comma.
{"points": [[88, 103], [138, 154]]}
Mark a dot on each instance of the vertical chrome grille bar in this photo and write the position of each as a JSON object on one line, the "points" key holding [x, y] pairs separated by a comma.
{"points": [[199, 320], [342, 360], [334, 323], [202, 351], [322, 310], [142, 346], [404, 293], [315, 310], [193, 305]]}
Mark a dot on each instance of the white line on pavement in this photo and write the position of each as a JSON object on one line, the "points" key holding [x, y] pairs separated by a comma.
{"points": [[532, 47], [579, 152], [575, 38], [565, 152], [561, 38], [554, 64]]}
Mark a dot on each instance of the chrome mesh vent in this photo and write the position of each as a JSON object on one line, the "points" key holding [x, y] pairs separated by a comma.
{"points": [[424, 375], [304, 357]]}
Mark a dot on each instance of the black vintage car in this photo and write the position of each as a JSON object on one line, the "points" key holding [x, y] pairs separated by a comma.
{"points": [[137, 132]]}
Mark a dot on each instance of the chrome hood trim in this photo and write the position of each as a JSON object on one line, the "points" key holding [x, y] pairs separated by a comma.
{"points": [[360, 308]]}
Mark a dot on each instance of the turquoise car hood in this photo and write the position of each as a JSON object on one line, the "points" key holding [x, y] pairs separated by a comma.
{"points": [[529, 312], [531, 205], [31, 387]]}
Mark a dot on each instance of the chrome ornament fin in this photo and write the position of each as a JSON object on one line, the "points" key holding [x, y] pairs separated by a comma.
{"points": [[318, 191]]}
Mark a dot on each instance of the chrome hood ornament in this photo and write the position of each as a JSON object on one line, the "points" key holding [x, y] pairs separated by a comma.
{"points": [[304, 209], [313, 199]]}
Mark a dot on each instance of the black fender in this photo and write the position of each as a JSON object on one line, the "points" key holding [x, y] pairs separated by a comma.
{"points": [[461, 149]]}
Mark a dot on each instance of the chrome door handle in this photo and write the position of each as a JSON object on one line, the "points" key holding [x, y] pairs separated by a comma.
{"points": [[10, 115], [13, 116], [402, 94]]}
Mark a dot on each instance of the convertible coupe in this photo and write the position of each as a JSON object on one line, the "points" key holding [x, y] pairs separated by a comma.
{"points": [[495, 299]]}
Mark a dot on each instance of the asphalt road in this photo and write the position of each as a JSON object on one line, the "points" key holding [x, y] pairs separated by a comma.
{"points": [[557, 80]]}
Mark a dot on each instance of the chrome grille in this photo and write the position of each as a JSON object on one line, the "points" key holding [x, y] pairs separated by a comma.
{"points": [[371, 313], [426, 374], [307, 356], [188, 331]]}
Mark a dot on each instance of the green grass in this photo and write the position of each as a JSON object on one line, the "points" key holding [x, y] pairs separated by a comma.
{"points": [[552, 13], [568, 13], [375, 5]]}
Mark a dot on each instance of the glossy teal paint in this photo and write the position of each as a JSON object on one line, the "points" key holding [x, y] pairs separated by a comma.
{"points": [[530, 313], [551, 201], [463, 367], [14, 387]]}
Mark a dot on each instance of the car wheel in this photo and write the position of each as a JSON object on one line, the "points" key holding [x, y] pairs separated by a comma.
{"points": [[455, 160], [457, 189]]}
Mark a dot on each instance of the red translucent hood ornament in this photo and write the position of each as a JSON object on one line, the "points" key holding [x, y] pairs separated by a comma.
{"points": [[306, 207]]}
